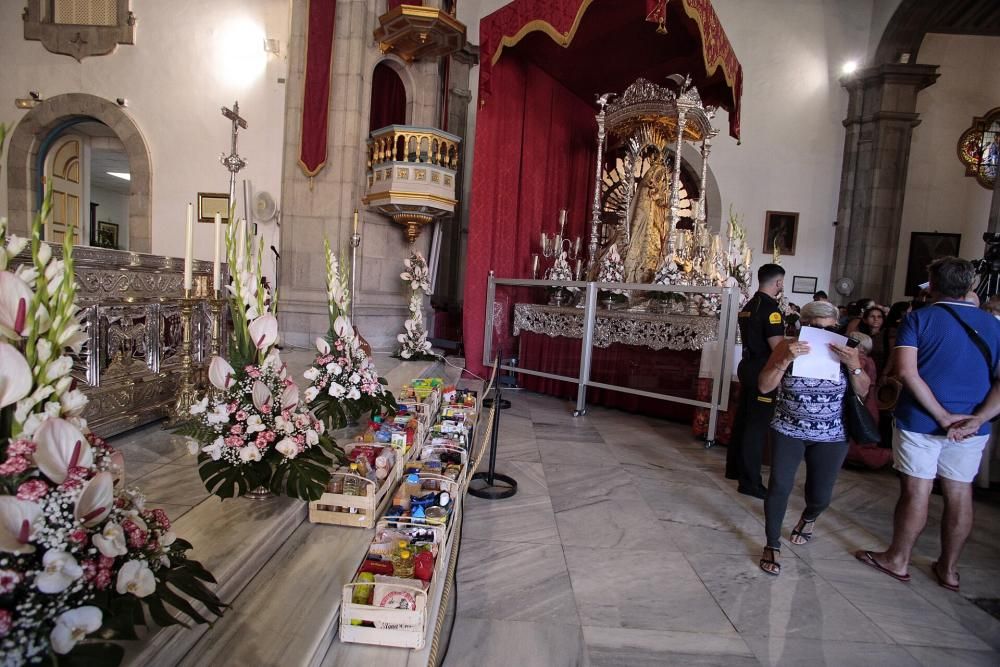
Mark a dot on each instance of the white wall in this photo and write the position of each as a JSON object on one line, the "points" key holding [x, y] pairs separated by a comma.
{"points": [[113, 208], [175, 80], [793, 106], [939, 197]]}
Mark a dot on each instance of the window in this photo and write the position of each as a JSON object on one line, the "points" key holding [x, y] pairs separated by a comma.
{"points": [[979, 148]]}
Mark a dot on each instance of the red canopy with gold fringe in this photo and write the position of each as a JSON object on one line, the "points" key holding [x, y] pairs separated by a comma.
{"points": [[316, 92]]}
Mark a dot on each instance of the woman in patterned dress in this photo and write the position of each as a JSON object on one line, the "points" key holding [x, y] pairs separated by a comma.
{"points": [[808, 424]]}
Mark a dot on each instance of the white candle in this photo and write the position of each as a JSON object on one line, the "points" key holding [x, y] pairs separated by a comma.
{"points": [[562, 217], [534, 267], [189, 248], [216, 268], [355, 222]]}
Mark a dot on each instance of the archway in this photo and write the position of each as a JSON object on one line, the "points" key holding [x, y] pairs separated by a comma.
{"points": [[26, 142], [388, 98]]}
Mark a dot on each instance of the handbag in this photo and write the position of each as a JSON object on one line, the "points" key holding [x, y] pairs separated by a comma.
{"points": [[857, 420]]}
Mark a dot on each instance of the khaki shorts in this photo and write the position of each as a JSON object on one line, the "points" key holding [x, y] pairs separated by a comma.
{"points": [[929, 456]]}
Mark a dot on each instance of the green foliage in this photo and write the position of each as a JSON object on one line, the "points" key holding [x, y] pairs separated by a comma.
{"points": [[304, 477]]}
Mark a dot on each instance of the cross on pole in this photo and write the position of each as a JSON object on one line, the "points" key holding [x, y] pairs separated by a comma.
{"points": [[233, 162]]}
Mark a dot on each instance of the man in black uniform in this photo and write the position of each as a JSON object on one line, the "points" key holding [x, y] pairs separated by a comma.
{"points": [[761, 327]]}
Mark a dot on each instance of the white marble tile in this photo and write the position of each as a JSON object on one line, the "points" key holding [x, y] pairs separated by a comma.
{"points": [[520, 518], [789, 652], [518, 582], [651, 590], [577, 452], [151, 444], [929, 656], [798, 603], [626, 647], [174, 484], [530, 476], [489, 643]]}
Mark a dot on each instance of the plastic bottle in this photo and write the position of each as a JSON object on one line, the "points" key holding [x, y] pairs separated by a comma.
{"points": [[413, 485], [402, 564], [353, 486]]}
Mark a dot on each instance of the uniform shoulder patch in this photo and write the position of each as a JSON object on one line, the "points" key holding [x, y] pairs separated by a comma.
{"points": [[774, 318]]}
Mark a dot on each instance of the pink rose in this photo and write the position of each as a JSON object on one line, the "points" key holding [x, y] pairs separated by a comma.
{"points": [[33, 489]]}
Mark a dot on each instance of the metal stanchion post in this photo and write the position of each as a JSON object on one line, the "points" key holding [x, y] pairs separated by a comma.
{"points": [[586, 353]]}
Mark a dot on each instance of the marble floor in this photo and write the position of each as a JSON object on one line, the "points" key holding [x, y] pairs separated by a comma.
{"points": [[626, 546]]}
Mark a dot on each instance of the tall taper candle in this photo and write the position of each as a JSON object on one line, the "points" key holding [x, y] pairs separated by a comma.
{"points": [[355, 229], [189, 248], [534, 267], [216, 268]]}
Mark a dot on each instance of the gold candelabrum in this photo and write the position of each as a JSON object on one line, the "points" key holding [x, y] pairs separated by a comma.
{"points": [[187, 388]]}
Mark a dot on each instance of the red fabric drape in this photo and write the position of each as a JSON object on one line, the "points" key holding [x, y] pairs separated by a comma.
{"points": [[396, 3], [316, 93], [543, 138], [388, 99]]}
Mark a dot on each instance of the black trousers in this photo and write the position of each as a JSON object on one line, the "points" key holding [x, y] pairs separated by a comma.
{"points": [[750, 427], [823, 462]]}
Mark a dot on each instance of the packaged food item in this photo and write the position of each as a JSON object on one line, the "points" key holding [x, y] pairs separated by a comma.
{"points": [[376, 566], [402, 563], [423, 566], [396, 593], [413, 485]]}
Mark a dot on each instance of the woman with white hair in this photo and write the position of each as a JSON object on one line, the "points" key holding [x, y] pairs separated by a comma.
{"points": [[808, 424]]}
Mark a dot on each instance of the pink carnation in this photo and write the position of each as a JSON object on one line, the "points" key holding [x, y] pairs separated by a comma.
{"points": [[15, 465], [6, 621], [234, 441], [241, 416], [21, 447], [161, 518], [237, 429], [137, 539], [79, 536], [102, 580], [33, 489], [9, 579]]}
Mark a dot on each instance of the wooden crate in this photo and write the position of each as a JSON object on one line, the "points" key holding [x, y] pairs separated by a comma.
{"points": [[370, 506]]}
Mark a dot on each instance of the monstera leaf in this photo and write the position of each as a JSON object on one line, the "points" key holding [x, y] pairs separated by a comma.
{"points": [[303, 477]]}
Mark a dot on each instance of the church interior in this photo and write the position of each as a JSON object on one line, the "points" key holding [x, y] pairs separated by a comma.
{"points": [[381, 332]]}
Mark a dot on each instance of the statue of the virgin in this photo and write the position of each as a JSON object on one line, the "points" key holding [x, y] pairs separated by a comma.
{"points": [[648, 220]]}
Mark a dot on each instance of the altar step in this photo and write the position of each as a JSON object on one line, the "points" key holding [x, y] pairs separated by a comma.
{"points": [[280, 574]]}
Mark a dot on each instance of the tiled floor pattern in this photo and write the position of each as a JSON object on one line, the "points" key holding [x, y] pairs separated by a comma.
{"points": [[626, 546]]}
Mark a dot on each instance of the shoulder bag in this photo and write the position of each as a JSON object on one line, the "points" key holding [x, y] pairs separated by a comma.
{"points": [[857, 420], [980, 344]]}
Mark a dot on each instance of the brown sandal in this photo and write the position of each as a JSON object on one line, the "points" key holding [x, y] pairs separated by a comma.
{"points": [[769, 561]]}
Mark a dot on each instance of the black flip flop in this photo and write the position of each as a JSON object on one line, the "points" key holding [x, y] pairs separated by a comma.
{"points": [[940, 580], [868, 559]]}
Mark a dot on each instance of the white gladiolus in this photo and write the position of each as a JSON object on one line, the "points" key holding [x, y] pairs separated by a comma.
{"points": [[73, 403]]}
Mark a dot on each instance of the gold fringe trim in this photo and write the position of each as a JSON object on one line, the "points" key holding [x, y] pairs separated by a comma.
{"points": [[538, 25]]}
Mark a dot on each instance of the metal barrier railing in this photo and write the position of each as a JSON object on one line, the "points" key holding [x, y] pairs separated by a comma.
{"points": [[721, 372]]}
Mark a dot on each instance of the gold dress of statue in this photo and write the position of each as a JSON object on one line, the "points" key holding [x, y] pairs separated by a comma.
{"points": [[648, 221]]}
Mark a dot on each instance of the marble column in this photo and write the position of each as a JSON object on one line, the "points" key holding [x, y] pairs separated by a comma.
{"points": [[880, 120]]}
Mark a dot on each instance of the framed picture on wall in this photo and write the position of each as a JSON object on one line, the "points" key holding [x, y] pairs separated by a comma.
{"points": [[804, 284], [210, 203], [925, 247], [781, 227], [107, 235]]}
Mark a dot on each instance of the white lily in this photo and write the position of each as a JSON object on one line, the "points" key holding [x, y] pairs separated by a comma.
{"points": [[60, 447], [262, 397], [136, 578], [342, 327], [287, 448], [96, 500], [322, 346], [249, 453], [111, 541], [15, 375], [264, 331], [74, 625], [15, 297], [59, 571], [290, 397], [17, 524], [221, 374]]}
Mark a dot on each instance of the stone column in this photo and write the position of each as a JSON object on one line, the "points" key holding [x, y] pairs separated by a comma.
{"points": [[994, 222], [879, 125]]}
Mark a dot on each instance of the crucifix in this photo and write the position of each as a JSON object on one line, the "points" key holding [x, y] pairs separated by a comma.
{"points": [[233, 162]]}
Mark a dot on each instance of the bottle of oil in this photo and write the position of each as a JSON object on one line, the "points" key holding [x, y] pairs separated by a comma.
{"points": [[402, 564], [352, 485]]}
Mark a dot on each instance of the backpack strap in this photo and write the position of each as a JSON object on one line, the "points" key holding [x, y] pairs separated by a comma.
{"points": [[976, 338]]}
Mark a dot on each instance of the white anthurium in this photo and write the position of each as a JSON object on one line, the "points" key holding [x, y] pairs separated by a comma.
{"points": [[342, 327], [249, 453], [221, 374], [15, 297], [59, 571], [290, 397], [96, 500], [287, 448], [111, 541], [136, 578], [264, 331], [322, 346], [73, 626], [17, 524], [60, 447], [15, 375], [262, 397]]}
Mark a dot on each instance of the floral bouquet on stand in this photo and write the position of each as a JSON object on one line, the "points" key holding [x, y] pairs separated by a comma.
{"points": [[612, 271], [82, 561], [414, 345], [344, 382], [739, 257], [561, 271], [671, 272], [253, 435]]}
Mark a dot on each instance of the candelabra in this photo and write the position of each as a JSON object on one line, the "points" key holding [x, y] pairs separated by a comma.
{"points": [[217, 310], [186, 390], [554, 246]]}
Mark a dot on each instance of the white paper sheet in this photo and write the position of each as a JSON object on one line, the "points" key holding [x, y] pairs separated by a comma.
{"points": [[821, 363]]}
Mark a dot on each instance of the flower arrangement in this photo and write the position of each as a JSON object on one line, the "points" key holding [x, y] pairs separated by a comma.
{"points": [[253, 433], [413, 340], [613, 271], [344, 383], [739, 257], [82, 560]]}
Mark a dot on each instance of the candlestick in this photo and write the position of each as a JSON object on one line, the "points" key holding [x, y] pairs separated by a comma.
{"points": [[189, 248], [355, 228], [578, 269], [217, 260], [534, 267], [577, 247], [562, 218]]}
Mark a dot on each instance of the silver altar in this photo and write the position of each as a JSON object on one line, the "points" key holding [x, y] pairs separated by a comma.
{"points": [[130, 307]]}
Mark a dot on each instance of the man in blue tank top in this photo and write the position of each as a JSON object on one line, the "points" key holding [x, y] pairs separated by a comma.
{"points": [[947, 356]]}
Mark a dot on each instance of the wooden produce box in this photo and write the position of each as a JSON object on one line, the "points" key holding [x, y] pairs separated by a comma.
{"points": [[370, 506]]}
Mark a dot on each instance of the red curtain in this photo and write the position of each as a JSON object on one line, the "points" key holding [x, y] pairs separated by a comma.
{"points": [[544, 139], [388, 99], [316, 93], [396, 3]]}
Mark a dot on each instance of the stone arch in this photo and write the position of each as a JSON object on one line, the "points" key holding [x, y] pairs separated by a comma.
{"points": [[397, 65], [691, 161], [25, 143]]}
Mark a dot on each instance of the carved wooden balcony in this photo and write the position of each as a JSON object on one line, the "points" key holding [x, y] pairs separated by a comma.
{"points": [[411, 175]]}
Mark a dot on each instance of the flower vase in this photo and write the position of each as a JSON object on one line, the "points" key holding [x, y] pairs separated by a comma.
{"points": [[259, 493]]}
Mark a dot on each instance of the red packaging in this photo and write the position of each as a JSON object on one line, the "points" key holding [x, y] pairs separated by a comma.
{"points": [[370, 452], [378, 566], [423, 565]]}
